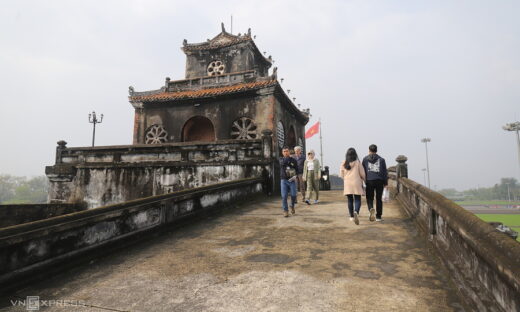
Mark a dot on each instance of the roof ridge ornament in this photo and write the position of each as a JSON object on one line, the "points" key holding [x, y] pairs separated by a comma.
{"points": [[223, 28]]}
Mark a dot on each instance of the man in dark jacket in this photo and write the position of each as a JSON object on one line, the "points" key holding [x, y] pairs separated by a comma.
{"points": [[288, 176], [376, 180]]}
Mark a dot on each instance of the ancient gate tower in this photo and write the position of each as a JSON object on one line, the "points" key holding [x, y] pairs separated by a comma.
{"points": [[227, 93], [226, 121]]}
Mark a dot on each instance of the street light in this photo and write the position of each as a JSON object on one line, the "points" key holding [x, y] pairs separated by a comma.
{"points": [[514, 126], [425, 141], [424, 175], [508, 192], [92, 118]]}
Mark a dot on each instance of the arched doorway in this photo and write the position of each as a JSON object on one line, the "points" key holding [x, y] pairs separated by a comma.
{"points": [[198, 128], [291, 138]]}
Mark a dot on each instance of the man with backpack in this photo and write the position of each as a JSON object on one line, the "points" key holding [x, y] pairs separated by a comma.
{"points": [[376, 180], [288, 176]]}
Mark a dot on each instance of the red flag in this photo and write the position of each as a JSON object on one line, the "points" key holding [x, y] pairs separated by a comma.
{"points": [[313, 130]]}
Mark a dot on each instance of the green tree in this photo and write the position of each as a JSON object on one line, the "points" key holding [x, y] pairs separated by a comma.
{"points": [[19, 190], [8, 185], [496, 192], [449, 192]]}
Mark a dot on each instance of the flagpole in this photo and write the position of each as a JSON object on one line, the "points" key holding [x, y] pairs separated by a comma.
{"points": [[321, 146]]}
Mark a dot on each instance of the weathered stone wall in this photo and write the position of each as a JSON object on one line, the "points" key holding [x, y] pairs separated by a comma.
{"points": [[22, 213], [222, 113], [484, 263], [236, 58], [35, 246], [100, 176]]}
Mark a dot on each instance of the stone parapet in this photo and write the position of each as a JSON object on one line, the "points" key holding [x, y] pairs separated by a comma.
{"points": [[42, 245], [484, 263], [98, 176], [212, 81], [188, 152], [22, 213]]}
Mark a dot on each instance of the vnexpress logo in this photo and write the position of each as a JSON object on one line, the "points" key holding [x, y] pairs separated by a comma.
{"points": [[32, 303]]}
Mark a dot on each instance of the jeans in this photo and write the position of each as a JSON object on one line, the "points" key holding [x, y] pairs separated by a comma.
{"points": [[377, 186], [287, 186], [353, 201]]}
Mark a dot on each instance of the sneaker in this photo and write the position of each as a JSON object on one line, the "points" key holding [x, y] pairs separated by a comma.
{"points": [[292, 210], [308, 202], [286, 214], [379, 219], [372, 215], [351, 219], [316, 201], [356, 219]]}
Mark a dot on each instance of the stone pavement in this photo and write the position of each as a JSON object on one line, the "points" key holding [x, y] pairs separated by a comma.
{"points": [[253, 259]]}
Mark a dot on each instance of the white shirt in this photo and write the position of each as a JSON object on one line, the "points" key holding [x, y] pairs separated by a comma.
{"points": [[310, 165]]}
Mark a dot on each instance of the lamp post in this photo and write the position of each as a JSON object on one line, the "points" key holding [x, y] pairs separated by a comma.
{"points": [[92, 118], [424, 175], [425, 141], [514, 126]]}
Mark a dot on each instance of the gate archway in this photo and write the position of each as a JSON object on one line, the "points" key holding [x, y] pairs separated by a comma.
{"points": [[198, 128]]}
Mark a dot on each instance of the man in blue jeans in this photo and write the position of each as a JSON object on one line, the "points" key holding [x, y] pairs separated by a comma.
{"points": [[288, 176], [376, 180]]}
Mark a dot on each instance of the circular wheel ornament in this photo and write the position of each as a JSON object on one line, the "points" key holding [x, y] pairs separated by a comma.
{"points": [[216, 68], [156, 135], [243, 128]]}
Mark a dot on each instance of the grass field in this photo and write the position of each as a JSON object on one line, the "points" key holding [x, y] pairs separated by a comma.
{"points": [[485, 202], [510, 220]]}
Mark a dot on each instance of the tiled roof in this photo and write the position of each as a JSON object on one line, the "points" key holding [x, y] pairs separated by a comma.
{"points": [[215, 45], [224, 39], [193, 94]]}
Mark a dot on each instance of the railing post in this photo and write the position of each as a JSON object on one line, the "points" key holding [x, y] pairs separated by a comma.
{"points": [[62, 145], [401, 169]]}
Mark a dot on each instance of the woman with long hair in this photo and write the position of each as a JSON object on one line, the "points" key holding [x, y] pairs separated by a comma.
{"points": [[353, 175]]}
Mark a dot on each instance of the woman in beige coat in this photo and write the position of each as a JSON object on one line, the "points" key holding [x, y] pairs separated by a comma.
{"points": [[353, 175], [312, 175]]}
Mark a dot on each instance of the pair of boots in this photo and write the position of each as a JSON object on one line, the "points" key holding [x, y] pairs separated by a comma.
{"points": [[286, 213]]}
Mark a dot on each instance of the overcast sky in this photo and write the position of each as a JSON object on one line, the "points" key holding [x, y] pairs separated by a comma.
{"points": [[383, 72]]}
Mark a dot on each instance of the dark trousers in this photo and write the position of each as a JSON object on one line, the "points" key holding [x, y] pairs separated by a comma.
{"points": [[377, 187], [354, 202]]}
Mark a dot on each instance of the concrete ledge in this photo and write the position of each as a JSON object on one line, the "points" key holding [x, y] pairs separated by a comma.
{"points": [[22, 213], [106, 175], [32, 247], [484, 264]]}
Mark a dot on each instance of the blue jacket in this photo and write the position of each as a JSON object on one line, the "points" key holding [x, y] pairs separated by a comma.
{"points": [[375, 168]]}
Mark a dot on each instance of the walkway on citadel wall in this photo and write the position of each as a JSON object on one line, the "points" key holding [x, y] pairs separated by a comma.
{"points": [[253, 259]]}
